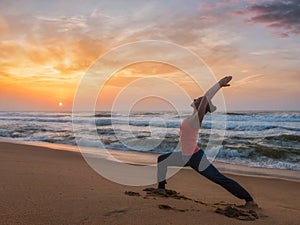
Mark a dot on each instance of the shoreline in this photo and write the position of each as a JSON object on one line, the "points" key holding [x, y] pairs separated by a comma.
{"points": [[149, 158]]}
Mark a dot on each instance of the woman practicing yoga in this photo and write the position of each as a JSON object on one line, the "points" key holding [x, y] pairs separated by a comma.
{"points": [[191, 155]]}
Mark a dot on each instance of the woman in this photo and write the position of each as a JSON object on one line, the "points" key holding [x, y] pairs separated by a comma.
{"points": [[191, 155]]}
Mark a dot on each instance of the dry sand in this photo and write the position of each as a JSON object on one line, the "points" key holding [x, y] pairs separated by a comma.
{"points": [[40, 185]]}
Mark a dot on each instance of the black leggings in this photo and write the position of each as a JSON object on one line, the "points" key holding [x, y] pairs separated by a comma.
{"points": [[200, 163]]}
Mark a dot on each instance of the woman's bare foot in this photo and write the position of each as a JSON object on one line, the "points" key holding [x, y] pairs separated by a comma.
{"points": [[251, 204]]}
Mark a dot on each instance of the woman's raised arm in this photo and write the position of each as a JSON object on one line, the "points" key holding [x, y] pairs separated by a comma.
{"points": [[224, 82]]}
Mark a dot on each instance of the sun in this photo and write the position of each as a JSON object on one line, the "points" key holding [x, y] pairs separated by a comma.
{"points": [[60, 104]]}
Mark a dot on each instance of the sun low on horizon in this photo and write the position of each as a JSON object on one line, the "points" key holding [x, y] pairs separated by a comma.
{"points": [[46, 48]]}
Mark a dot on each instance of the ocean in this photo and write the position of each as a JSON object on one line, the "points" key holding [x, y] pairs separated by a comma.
{"points": [[258, 139]]}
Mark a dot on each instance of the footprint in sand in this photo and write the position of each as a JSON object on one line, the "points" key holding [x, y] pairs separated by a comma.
{"points": [[167, 207], [132, 193], [166, 193], [116, 212]]}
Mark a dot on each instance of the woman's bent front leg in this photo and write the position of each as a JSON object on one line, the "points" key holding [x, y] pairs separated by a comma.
{"points": [[165, 160]]}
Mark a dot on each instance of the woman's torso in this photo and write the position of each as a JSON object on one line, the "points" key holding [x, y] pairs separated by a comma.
{"points": [[188, 138]]}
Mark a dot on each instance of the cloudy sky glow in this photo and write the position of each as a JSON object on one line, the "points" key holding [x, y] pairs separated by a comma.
{"points": [[47, 46]]}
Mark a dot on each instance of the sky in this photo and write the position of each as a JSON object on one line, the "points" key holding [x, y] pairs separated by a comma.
{"points": [[47, 47]]}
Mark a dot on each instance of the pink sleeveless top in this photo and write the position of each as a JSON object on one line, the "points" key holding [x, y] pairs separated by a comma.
{"points": [[188, 138]]}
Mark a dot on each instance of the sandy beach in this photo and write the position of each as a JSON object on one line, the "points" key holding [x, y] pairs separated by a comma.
{"points": [[40, 185]]}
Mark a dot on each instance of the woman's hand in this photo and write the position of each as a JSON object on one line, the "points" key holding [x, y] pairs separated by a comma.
{"points": [[224, 82]]}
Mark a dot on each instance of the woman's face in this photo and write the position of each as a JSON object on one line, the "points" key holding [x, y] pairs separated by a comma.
{"points": [[196, 102]]}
